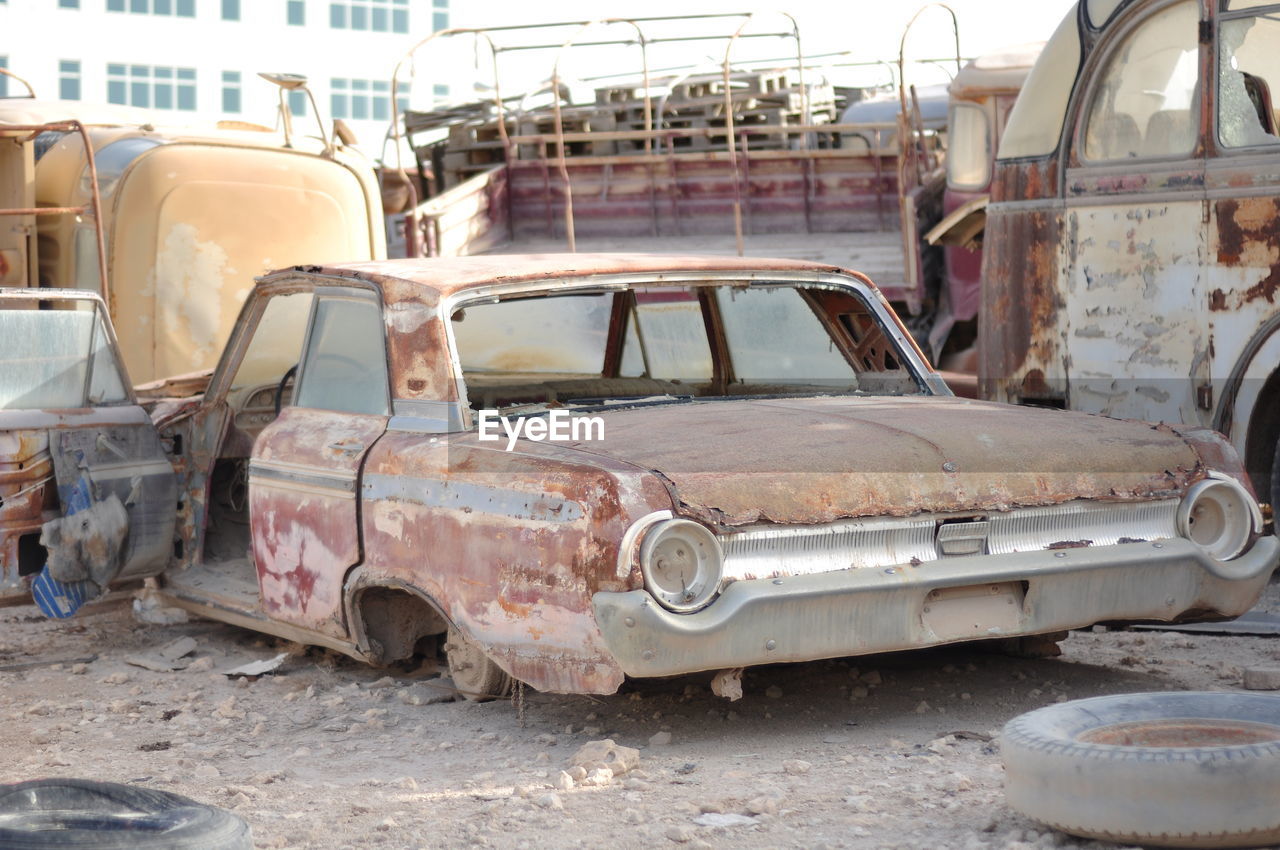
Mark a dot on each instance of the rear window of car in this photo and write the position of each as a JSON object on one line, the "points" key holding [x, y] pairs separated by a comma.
{"points": [[675, 341]]}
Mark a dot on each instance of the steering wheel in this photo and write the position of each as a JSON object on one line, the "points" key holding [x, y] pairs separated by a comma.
{"points": [[289, 373]]}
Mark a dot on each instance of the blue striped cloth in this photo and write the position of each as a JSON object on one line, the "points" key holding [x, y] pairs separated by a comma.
{"points": [[57, 599]]}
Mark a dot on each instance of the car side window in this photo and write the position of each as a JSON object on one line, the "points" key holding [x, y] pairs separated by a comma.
{"points": [[344, 367], [1144, 106], [1248, 72]]}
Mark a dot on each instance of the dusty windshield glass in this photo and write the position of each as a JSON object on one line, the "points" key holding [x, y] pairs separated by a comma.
{"points": [[57, 358], [699, 341]]}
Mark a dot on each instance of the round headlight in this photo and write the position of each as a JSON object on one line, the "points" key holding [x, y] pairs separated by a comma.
{"points": [[681, 562], [1219, 515]]}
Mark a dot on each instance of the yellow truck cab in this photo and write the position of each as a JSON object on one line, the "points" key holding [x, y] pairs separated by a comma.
{"points": [[1132, 251], [189, 217]]}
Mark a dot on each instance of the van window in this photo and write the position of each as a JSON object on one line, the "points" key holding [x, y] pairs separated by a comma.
{"points": [[968, 147], [1248, 71], [1143, 107]]}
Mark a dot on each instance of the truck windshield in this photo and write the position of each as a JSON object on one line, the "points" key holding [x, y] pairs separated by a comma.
{"points": [[56, 359]]}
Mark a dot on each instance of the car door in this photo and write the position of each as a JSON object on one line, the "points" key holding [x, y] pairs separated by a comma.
{"points": [[304, 472], [87, 493]]}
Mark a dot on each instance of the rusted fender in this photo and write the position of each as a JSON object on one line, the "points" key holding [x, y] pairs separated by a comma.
{"points": [[510, 546]]}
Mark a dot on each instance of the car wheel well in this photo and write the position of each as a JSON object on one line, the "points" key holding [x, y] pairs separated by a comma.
{"points": [[1263, 433], [394, 620]]}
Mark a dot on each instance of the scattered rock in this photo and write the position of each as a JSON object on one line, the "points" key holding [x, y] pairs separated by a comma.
{"points": [[565, 782], [871, 677], [201, 665], [765, 804], [796, 767], [680, 833], [384, 682], [577, 773], [433, 692], [773, 692], [598, 777], [549, 801], [147, 608], [728, 684], [607, 754], [661, 739], [923, 707]]}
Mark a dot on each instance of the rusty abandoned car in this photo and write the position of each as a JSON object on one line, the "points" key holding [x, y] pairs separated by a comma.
{"points": [[573, 469]]}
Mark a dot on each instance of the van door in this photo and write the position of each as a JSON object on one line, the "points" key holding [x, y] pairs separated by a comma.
{"points": [[87, 494], [1243, 184], [1134, 314]]}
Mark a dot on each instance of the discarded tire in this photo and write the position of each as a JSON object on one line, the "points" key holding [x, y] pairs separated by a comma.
{"points": [[81, 813], [1163, 769]]}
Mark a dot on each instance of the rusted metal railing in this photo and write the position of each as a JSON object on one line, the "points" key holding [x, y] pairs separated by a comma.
{"points": [[27, 133]]}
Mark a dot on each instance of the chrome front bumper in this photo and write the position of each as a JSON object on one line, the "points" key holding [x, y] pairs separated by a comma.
{"points": [[863, 611]]}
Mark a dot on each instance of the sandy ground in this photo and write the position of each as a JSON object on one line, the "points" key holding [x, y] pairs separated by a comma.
{"points": [[877, 752]]}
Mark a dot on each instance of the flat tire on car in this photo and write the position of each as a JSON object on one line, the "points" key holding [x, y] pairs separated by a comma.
{"points": [[1169, 769], [474, 673], [90, 815]]}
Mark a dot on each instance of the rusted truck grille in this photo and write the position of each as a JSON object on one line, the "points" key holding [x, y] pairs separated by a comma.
{"points": [[769, 551]]}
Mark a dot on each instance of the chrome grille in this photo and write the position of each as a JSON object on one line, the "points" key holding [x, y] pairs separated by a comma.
{"points": [[776, 551], [1101, 524], [770, 551]]}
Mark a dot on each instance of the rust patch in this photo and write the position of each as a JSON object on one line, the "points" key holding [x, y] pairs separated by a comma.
{"points": [[1218, 300], [1248, 237]]}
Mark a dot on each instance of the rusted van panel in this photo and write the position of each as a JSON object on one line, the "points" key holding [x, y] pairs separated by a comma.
{"points": [[1132, 261]]}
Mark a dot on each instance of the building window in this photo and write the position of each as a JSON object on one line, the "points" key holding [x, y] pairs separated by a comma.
{"points": [[69, 79], [373, 15], [4, 81], [362, 100], [180, 8], [298, 102], [439, 15], [152, 86], [230, 10], [296, 11], [440, 92], [231, 91], [69, 4]]}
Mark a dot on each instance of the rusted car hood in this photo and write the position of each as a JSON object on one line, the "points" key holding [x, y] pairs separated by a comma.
{"points": [[820, 459]]}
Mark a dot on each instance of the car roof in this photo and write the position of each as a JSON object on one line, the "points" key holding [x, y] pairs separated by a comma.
{"points": [[445, 276]]}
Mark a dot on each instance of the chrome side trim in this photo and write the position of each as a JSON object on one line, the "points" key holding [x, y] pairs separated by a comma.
{"points": [[426, 417], [305, 478]]}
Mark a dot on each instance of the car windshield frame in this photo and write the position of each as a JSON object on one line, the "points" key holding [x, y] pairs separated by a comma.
{"points": [[906, 352]]}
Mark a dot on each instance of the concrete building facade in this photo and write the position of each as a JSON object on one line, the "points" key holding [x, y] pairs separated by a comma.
{"points": [[198, 60]]}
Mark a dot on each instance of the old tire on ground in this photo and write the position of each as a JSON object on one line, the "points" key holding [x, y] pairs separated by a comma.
{"points": [[473, 672], [1162, 769], [82, 813]]}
